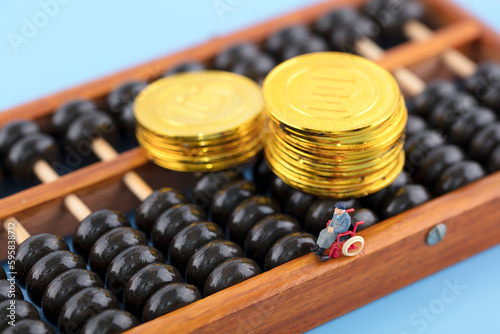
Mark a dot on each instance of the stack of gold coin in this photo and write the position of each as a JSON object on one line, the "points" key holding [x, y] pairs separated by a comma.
{"points": [[201, 121], [336, 125]]}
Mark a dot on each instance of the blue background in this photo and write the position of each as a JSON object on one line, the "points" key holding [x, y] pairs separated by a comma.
{"points": [[85, 40]]}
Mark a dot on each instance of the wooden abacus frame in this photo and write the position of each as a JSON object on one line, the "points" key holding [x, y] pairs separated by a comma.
{"points": [[303, 293]]}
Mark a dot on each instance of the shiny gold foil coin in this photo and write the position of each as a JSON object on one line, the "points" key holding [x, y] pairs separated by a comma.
{"points": [[336, 125], [201, 121], [330, 92], [198, 104]]}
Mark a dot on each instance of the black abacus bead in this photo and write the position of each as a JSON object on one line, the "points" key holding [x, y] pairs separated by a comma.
{"points": [[326, 24], [255, 68], [65, 114], [191, 66], [484, 142], [84, 305], [462, 131], [3, 275], [47, 269], [93, 226], [17, 310], [32, 250], [418, 147], [458, 175], [452, 109], [393, 15], [368, 216], [29, 326], [414, 125], [404, 199], [7, 293], [494, 160], [127, 118], [293, 35], [247, 214], [110, 244], [172, 221], [207, 257], [157, 203], [265, 233], [312, 44], [231, 56], [127, 263], [229, 273], [124, 95], [64, 286], [280, 190], [28, 150], [110, 322], [345, 34], [14, 131], [169, 298], [145, 282], [228, 198], [210, 184], [436, 162], [322, 211], [298, 203], [484, 84], [434, 92], [289, 247], [86, 128], [262, 174], [187, 241]]}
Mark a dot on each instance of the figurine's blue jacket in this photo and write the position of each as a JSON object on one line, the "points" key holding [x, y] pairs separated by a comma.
{"points": [[340, 225]]}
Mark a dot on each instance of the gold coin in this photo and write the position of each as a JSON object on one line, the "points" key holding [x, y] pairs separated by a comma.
{"points": [[201, 153], [363, 148], [393, 127], [339, 165], [198, 104], [205, 165], [257, 125], [336, 125], [329, 188], [336, 169], [330, 91], [201, 121]]}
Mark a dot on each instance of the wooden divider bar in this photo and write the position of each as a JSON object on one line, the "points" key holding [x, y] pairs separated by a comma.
{"points": [[449, 12], [71, 183], [413, 52]]}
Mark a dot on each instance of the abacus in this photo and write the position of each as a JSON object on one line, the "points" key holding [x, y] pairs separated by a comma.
{"points": [[293, 296]]}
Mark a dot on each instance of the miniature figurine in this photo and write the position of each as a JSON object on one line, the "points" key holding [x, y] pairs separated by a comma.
{"points": [[340, 223]]}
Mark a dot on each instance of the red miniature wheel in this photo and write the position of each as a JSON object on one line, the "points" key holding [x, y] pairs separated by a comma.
{"points": [[353, 246], [336, 254]]}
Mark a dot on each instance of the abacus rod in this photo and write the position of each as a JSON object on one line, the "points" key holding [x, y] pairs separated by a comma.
{"points": [[132, 180], [11, 224], [412, 84], [73, 203], [456, 61]]}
